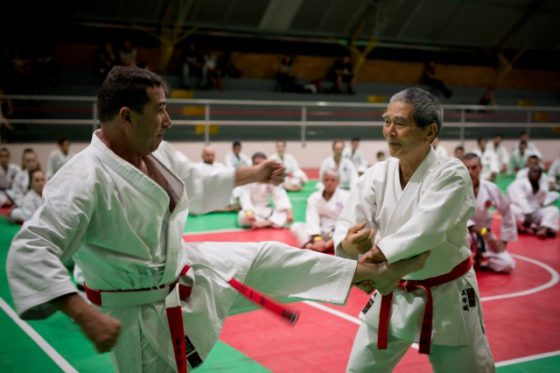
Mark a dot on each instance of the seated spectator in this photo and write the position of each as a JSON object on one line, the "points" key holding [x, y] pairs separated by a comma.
{"points": [[59, 157], [440, 150], [256, 211], [531, 146], [489, 160], [192, 65], [226, 67], [489, 251], [29, 162], [429, 78], [554, 174], [323, 208], [348, 175], [107, 59], [128, 54], [295, 177], [519, 158], [211, 75], [459, 152], [531, 201], [285, 79], [532, 161], [8, 172], [32, 200], [340, 73], [501, 152], [236, 158], [355, 155], [380, 156]]}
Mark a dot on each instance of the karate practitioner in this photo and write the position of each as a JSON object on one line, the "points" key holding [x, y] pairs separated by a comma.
{"points": [[295, 177], [488, 250], [133, 256], [20, 186], [355, 155], [489, 160], [235, 158], [323, 208], [530, 198], [256, 211], [345, 167], [32, 200], [501, 152], [413, 203], [59, 157], [8, 172]]}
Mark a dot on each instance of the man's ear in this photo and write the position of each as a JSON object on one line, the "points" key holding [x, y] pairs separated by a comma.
{"points": [[125, 115], [432, 132]]}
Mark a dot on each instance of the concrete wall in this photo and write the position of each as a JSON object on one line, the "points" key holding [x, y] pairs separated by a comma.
{"points": [[310, 156]]}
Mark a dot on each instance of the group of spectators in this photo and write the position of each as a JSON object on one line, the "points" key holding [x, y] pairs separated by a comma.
{"points": [[21, 186]]}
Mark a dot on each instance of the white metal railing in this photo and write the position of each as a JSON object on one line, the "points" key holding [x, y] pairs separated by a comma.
{"points": [[458, 116]]}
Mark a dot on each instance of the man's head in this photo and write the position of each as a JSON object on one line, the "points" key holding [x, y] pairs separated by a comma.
{"points": [[498, 138], [380, 156], [459, 152], [522, 146], [208, 155], [132, 102], [37, 181], [412, 121], [355, 143], [258, 158], [481, 141], [29, 160], [64, 145], [330, 180], [4, 157], [473, 165], [281, 147], [535, 174], [236, 147], [523, 136], [337, 148], [533, 161]]}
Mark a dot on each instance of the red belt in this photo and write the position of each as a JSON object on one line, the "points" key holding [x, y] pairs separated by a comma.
{"points": [[181, 344], [411, 285]]}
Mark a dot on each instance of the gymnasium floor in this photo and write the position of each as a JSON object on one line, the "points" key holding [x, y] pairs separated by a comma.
{"points": [[521, 313]]}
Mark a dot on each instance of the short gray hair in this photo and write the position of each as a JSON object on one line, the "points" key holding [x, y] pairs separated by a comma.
{"points": [[426, 108]]}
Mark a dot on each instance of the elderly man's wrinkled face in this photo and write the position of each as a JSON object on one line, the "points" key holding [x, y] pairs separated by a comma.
{"points": [[330, 182], [474, 167], [401, 131]]}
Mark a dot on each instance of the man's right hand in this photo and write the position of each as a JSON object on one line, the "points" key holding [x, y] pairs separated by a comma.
{"points": [[358, 240], [102, 330]]}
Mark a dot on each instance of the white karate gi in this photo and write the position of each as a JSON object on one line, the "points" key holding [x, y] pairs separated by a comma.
{"points": [[431, 213], [531, 148], [116, 223], [235, 161], [30, 203], [489, 161], [502, 154], [294, 175], [487, 191], [357, 159], [554, 173], [348, 176], [518, 161], [57, 159], [320, 216], [524, 202], [255, 197], [20, 187], [441, 152], [6, 181]]}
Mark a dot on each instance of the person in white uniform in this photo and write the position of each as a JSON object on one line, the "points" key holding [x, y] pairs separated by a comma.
{"points": [[295, 177], [502, 153], [32, 200], [236, 158], [145, 283], [531, 146], [323, 208], [344, 166], [519, 158], [8, 172], [413, 203], [489, 159], [488, 250], [256, 211], [355, 155], [20, 186], [554, 174], [530, 198], [59, 157]]}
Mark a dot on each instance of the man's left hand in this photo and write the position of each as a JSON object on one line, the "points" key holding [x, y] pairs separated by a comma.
{"points": [[374, 255]]}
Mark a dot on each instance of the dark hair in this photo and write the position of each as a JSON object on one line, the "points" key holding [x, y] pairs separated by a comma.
{"points": [[236, 143], [5, 150], [31, 173], [532, 156], [258, 155], [355, 139], [125, 86], [499, 135], [426, 108], [62, 140]]}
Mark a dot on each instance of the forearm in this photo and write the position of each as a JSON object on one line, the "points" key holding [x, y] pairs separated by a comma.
{"points": [[245, 175], [75, 307]]}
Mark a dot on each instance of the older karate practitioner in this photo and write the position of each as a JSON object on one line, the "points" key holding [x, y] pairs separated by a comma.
{"points": [[119, 208], [410, 204]]}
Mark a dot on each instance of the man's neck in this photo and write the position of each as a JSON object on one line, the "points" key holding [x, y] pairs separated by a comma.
{"points": [[119, 148], [327, 195], [408, 165]]}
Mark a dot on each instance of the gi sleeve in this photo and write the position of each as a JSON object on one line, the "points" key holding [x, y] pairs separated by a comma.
{"points": [[281, 200]]}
